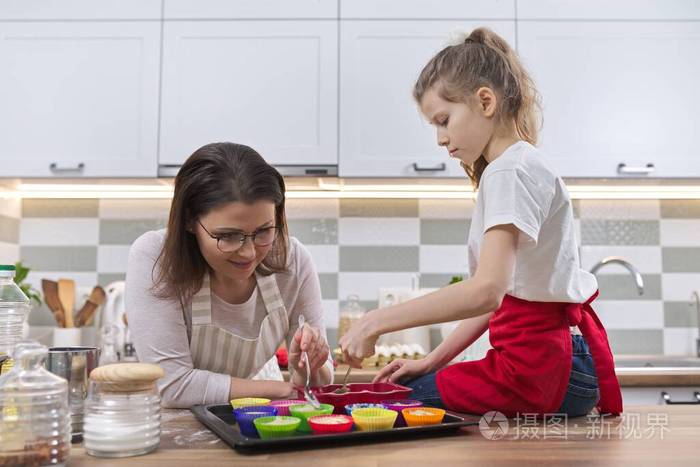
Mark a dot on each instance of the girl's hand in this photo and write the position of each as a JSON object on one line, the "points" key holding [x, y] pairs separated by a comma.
{"points": [[358, 343], [309, 339], [400, 369]]}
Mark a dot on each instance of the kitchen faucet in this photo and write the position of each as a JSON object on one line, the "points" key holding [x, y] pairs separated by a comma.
{"points": [[623, 262], [695, 300]]}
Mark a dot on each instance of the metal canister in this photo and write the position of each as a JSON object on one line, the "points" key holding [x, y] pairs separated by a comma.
{"points": [[74, 364]]}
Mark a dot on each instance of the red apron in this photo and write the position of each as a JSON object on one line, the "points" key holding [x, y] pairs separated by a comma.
{"points": [[528, 369]]}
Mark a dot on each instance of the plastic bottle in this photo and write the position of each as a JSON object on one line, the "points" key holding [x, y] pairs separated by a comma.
{"points": [[14, 309]]}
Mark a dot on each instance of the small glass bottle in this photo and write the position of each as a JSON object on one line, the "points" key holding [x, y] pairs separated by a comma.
{"points": [[122, 411], [14, 309], [351, 312], [34, 416], [108, 339]]}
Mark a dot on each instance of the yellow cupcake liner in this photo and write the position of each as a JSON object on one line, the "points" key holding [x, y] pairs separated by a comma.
{"points": [[419, 416], [374, 419], [304, 415], [248, 402], [267, 431]]}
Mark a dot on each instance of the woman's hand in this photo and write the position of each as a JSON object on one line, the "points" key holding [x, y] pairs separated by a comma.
{"points": [[282, 390], [309, 339], [358, 343], [400, 369]]}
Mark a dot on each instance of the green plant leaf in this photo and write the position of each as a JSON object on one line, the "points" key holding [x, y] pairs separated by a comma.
{"points": [[20, 272], [20, 275], [456, 279]]}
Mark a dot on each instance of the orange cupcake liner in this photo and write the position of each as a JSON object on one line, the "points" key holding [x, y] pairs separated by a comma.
{"points": [[419, 416]]}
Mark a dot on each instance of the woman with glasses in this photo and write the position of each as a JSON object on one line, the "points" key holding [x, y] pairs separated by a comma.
{"points": [[211, 298]]}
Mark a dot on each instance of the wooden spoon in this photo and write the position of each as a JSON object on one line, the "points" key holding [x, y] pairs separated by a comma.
{"points": [[50, 289], [66, 294], [86, 314]]}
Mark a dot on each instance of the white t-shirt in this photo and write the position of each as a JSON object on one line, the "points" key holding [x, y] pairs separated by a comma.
{"points": [[519, 188]]}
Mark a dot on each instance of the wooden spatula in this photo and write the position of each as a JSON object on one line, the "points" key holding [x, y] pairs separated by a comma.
{"points": [[50, 289], [86, 314], [66, 294]]}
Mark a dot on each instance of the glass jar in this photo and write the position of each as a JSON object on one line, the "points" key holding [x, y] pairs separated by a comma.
{"points": [[351, 312], [34, 416], [121, 424]]}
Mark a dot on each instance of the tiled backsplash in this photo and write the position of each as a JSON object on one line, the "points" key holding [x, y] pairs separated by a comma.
{"points": [[360, 245]]}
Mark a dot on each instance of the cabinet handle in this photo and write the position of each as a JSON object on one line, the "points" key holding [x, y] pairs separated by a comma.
{"points": [[667, 399], [623, 169], [438, 168], [57, 170]]}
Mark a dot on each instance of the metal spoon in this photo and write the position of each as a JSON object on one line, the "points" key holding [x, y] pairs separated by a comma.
{"points": [[308, 395], [344, 388]]}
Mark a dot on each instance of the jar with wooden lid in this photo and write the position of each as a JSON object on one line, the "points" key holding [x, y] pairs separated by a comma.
{"points": [[122, 410], [34, 416]]}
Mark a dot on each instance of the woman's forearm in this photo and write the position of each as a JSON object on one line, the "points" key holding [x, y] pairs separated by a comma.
{"points": [[241, 387], [462, 337]]}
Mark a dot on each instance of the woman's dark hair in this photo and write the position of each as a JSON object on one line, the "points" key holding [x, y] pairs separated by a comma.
{"points": [[214, 175]]}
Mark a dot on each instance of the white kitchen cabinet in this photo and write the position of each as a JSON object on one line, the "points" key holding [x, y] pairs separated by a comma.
{"points": [[632, 395], [655, 10], [269, 84], [79, 98], [250, 9], [427, 9], [620, 98], [382, 133], [80, 9]]}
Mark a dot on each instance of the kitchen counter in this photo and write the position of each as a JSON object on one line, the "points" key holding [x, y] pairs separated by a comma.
{"points": [[648, 435], [632, 376]]}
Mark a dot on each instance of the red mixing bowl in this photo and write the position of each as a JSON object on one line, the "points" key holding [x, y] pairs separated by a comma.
{"points": [[358, 393]]}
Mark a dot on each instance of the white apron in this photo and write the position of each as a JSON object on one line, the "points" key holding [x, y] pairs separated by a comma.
{"points": [[221, 351]]}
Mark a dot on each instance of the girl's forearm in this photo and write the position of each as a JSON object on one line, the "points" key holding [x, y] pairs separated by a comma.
{"points": [[462, 337], [463, 300]]}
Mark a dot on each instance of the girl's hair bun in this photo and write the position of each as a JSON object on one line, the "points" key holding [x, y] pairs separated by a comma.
{"points": [[457, 36]]}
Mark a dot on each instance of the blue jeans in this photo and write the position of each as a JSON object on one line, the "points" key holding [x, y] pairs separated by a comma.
{"points": [[583, 392], [580, 398]]}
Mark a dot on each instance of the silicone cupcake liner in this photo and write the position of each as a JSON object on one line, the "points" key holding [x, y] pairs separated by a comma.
{"points": [[248, 402], [350, 407], [320, 424], [276, 427], [399, 406], [246, 415], [420, 416], [374, 419], [304, 411], [283, 405]]}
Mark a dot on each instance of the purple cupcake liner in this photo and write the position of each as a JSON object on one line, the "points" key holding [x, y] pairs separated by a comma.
{"points": [[246, 415], [400, 405]]}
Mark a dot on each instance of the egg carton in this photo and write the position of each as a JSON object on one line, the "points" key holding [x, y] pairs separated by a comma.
{"points": [[385, 354]]}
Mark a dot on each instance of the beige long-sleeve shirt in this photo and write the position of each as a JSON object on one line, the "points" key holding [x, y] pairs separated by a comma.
{"points": [[159, 331]]}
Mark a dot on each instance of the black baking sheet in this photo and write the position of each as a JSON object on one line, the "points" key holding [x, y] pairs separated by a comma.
{"points": [[220, 420]]}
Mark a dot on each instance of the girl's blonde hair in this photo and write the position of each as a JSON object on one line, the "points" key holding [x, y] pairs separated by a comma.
{"points": [[484, 59]]}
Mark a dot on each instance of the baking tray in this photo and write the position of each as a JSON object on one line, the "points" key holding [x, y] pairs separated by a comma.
{"points": [[220, 420]]}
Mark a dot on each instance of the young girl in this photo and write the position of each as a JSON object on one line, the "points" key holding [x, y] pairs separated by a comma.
{"points": [[525, 283], [211, 298]]}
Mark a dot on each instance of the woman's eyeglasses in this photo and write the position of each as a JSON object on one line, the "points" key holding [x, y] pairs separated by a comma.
{"points": [[230, 242]]}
